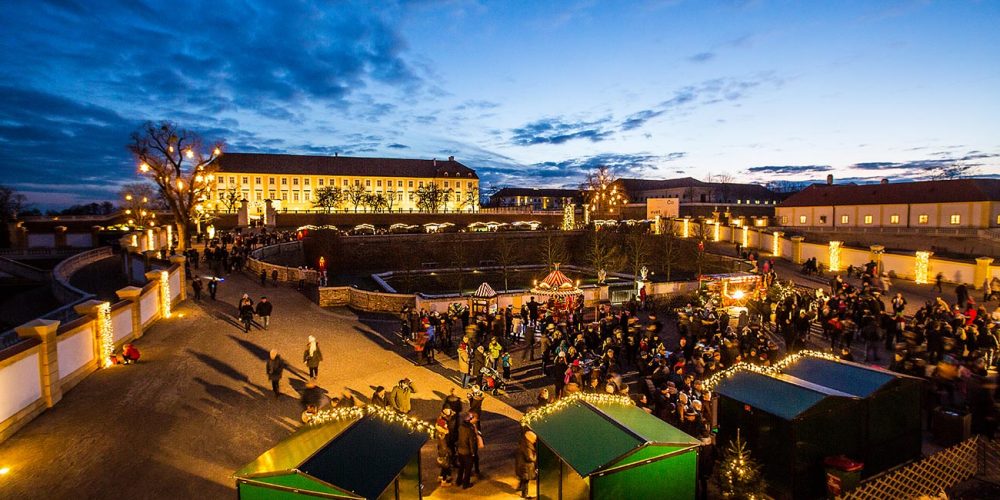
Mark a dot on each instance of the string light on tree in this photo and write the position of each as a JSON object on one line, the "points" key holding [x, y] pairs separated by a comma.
{"points": [[105, 334], [835, 255], [921, 267], [165, 293]]}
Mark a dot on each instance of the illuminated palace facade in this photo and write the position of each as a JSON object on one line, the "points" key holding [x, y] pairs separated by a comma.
{"points": [[293, 182]]}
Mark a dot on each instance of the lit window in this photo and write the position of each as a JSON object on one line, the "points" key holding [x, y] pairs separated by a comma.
{"points": [[409, 183], [802, 219], [306, 181], [893, 219], [270, 180], [822, 219], [284, 181], [868, 219], [295, 181], [956, 219], [320, 182], [845, 219], [998, 220], [739, 202], [784, 220], [922, 219], [368, 183], [256, 180]]}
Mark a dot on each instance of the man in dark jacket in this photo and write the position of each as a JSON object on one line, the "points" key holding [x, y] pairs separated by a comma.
{"points": [[264, 308], [525, 462], [275, 367], [213, 287], [466, 447]]}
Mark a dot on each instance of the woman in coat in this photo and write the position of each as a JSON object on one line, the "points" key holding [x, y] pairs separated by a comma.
{"points": [[463, 361], [525, 462], [312, 357], [246, 312]]}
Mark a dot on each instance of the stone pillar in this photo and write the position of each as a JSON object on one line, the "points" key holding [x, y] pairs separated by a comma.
{"points": [[132, 294], [243, 215], [875, 253], [179, 260], [48, 356], [89, 309], [270, 214], [60, 239], [19, 236], [95, 236], [797, 249], [982, 271]]}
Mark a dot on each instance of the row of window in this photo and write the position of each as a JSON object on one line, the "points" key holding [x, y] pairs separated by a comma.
{"points": [[330, 182], [307, 195], [955, 219]]}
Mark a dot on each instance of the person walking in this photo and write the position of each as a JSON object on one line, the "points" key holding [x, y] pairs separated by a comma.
{"points": [[399, 398], [246, 312], [938, 281], [312, 357], [444, 458], [264, 308], [213, 287], [525, 462], [197, 285], [380, 398], [465, 448], [463, 361], [274, 277], [263, 278], [275, 367]]}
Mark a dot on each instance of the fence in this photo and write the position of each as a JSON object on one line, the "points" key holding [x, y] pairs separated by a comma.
{"points": [[976, 457]]}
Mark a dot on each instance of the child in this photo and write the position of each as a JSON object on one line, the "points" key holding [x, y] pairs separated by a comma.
{"points": [[505, 362]]}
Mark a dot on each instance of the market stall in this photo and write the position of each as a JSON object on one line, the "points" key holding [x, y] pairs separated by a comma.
{"points": [[604, 447], [559, 289], [356, 453], [484, 300]]}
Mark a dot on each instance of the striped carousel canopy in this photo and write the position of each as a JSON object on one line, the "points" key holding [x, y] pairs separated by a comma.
{"points": [[485, 291], [556, 284]]}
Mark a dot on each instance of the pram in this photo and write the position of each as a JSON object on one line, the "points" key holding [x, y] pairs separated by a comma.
{"points": [[493, 382]]}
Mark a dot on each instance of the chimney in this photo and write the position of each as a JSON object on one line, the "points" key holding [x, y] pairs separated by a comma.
{"points": [[885, 181], [829, 179], [336, 153], [435, 160], [451, 158]]}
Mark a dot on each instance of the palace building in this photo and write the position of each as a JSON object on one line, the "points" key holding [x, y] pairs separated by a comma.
{"points": [[292, 182]]}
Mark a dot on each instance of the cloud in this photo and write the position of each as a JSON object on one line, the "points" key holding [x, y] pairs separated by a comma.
{"points": [[701, 57], [789, 169], [474, 104], [703, 94], [397, 145], [557, 131]]}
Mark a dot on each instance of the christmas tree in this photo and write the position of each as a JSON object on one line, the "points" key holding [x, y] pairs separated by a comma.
{"points": [[739, 476]]}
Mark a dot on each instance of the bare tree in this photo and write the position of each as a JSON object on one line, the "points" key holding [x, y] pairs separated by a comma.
{"points": [[329, 197], [506, 257], [229, 199], [602, 252], [356, 195], [552, 251], [638, 248], [669, 250], [174, 159], [430, 197]]}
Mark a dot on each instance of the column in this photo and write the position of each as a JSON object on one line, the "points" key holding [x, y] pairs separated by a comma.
{"points": [[875, 254], [797, 249], [776, 243], [48, 356], [982, 271], [270, 214], [180, 260], [243, 215], [131, 294], [60, 236], [90, 310]]}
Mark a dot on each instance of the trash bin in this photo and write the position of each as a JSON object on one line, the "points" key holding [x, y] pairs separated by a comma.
{"points": [[842, 474]]}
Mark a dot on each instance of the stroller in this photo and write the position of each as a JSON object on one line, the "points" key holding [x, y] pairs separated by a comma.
{"points": [[493, 382]]}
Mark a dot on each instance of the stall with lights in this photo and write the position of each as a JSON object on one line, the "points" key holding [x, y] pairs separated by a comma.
{"points": [[484, 300], [732, 290], [556, 286], [601, 446], [355, 453]]}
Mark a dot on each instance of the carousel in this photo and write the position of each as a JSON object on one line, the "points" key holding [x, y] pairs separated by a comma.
{"points": [[484, 300], [733, 290], [559, 289]]}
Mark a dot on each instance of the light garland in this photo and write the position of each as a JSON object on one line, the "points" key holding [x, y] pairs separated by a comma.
{"points": [[569, 217], [105, 334], [776, 244], [356, 412], [560, 404], [775, 369], [921, 266], [717, 232], [746, 236], [170, 236], [165, 293], [149, 240], [835, 255], [686, 228], [135, 240]]}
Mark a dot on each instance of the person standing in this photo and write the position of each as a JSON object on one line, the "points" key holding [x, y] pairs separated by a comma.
{"points": [[197, 285], [380, 398], [275, 367], [263, 278], [938, 281], [264, 308], [466, 447], [312, 357], [505, 364], [399, 398], [246, 312], [444, 458], [274, 277], [525, 462], [213, 286], [463, 361]]}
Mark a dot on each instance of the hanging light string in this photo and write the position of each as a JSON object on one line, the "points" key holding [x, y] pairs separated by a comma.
{"points": [[775, 369], [355, 412], [597, 399], [105, 330]]}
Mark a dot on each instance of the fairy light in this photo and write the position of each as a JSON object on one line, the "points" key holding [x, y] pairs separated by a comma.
{"points": [[597, 399], [776, 244], [135, 240], [165, 293], [149, 240], [569, 217], [356, 412], [775, 369], [170, 236], [746, 236], [686, 228], [835, 255], [105, 332], [717, 232], [921, 266]]}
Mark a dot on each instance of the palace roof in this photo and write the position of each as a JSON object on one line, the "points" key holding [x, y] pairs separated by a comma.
{"points": [[283, 164], [902, 193]]}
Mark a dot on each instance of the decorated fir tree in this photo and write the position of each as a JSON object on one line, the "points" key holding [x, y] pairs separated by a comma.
{"points": [[738, 475]]}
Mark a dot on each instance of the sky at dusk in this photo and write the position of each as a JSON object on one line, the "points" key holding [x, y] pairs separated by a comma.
{"points": [[528, 93]]}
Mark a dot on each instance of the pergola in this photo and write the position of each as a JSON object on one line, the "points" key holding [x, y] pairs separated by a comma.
{"points": [[482, 298]]}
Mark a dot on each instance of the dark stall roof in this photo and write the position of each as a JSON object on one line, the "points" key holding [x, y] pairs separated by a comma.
{"points": [[782, 395], [851, 378]]}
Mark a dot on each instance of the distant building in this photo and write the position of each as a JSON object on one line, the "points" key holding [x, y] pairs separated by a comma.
{"points": [[293, 180], [960, 203], [536, 198], [689, 190]]}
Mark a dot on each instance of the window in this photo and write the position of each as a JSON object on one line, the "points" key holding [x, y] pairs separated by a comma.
{"points": [[399, 183], [445, 183], [270, 195], [893, 219], [739, 202], [295, 181], [256, 180], [784, 220], [998, 220], [845, 219], [284, 181], [822, 219], [802, 219], [368, 183], [284, 196], [306, 181], [922, 219], [409, 184], [868, 219], [469, 185], [378, 183], [421, 183], [306, 196], [232, 180], [357, 182], [956, 219], [320, 181], [259, 196], [295, 196], [246, 180], [400, 196], [270, 180], [346, 183]]}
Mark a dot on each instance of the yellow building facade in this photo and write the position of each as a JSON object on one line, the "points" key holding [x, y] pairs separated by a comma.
{"points": [[293, 182]]}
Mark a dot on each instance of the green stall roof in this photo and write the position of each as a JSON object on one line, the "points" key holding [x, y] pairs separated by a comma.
{"points": [[593, 436], [851, 378], [343, 454], [782, 395]]}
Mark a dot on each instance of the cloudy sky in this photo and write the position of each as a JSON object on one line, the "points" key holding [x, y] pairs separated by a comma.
{"points": [[526, 92]]}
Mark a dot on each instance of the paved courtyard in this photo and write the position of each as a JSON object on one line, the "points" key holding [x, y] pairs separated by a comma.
{"points": [[199, 405]]}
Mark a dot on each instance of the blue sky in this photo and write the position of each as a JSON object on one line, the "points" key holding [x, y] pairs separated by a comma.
{"points": [[528, 93]]}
